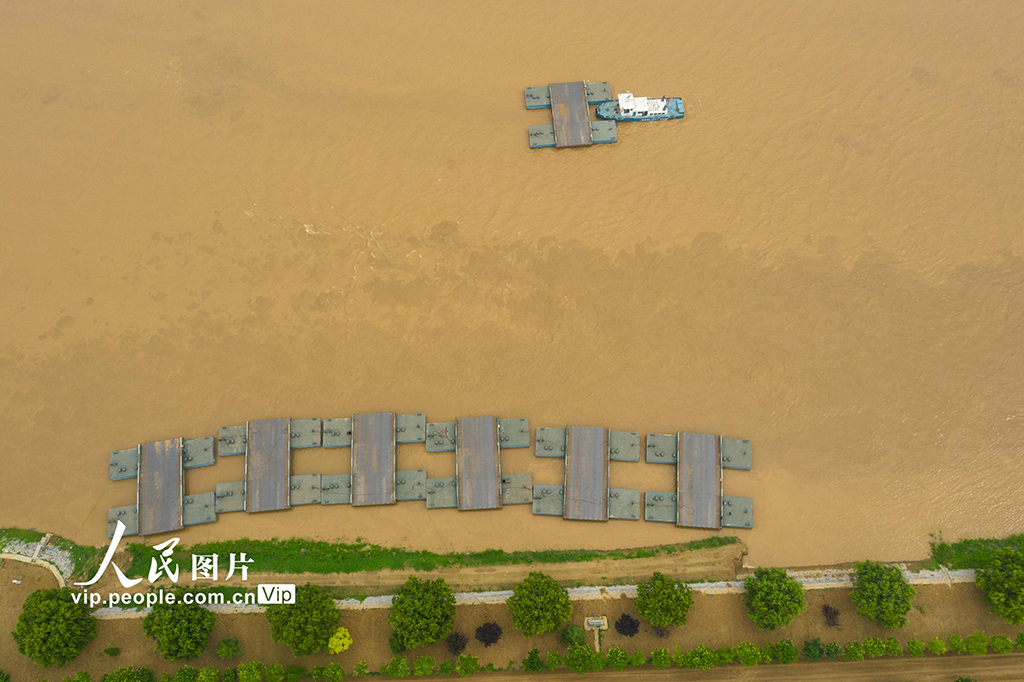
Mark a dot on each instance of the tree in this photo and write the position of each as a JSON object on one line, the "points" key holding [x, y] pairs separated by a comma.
{"points": [[617, 659], [307, 625], [422, 612], [937, 646], [229, 647], [398, 667], [663, 601], [467, 665], [915, 648], [181, 630], [539, 604], [52, 629], [129, 674], [488, 634], [340, 641], [532, 662], [882, 593], [773, 599], [627, 626], [574, 634], [456, 642], [748, 654], [423, 666], [582, 659], [1001, 582]]}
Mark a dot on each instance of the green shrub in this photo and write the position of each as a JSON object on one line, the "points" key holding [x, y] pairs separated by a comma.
{"points": [[398, 667], [956, 643], [915, 648], [229, 674], [306, 626], [185, 673], [892, 647], [554, 661], [833, 651], [964, 678], [882, 593], [700, 658], [52, 629], [251, 672], [112, 651], [396, 645], [331, 672], [539, 604], [208, 675], [813, 649], [638, 658], [937, 646], [873, 647], [853, 651], [1001, 582], [294, 673], [773, 599], [582, 659], [129, 674], [616, 659], [422, 612], [724, 656], [363, 669], [181, 630], [574, 635], [663, 601], [4, 677], [273, 673], [447, 668], [748, 654], [80, 676], [532, 662], [660, 658], [977, 644], [1019, 641], [423, 666], [229, 647], [1001, 644], [467, 665], [785, 652]]}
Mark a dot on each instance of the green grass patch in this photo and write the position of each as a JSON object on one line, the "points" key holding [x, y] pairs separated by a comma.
{"points": [[312, 556], [84, 559], [972, 553], [8, 534]]}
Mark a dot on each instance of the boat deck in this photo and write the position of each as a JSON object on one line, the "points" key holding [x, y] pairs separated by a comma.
{"points": [[373, 459], [161, 483], [586, 473], [571, 114], [478, 463], [699, 481], [267, 465]]}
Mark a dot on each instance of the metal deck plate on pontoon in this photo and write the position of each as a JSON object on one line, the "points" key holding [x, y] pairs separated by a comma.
{"points": [[548, 500], [598, 92], [337, 433], [442, 493], [571, 114], [199, 508], [477, 463], [128, 515], [603, 132], [624, 504], [659, 506], [736, 454], [516, 489], [335, 489], [411, 485], [586, 474], [662, 448], [410, 428], [699, 481], [541, 136], [514, 433], [230, 497], [304, 489], [441, 437], [549, 442], [161, 480], [198, 452], [124, 464], [231, 440], [305, 433], [538, 97], [737, 512], [267, 465], [624, 446], [373, 459]]}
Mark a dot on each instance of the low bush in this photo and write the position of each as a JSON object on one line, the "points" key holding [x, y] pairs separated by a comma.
{"points": [[785, 652], [915, 648], [700, 658], [4, 677], [1001, 644], [185, 673], [467, 665], [1020, 640], [813, 649], [273, 673], [853, 651], [616, 659], [831, 615], [331, 672], [251, 672], [339, 642], [112, 651], [660, 658], [213, 675], [423, 666], [873, 647], [553, 661], [582, 659], [748, 654], [488, 634], [362, 668], [892, 647], [130, 674], [977, 644], [396, 644], [724, 656], [80, 676], [294, 673], [229, 674], [937, 646], [398, 667], [638, 658], [456, 642], [627, 625], [833, 651], [447, 668], [532, 662], [957, 644], [573, 634], [229, 648]]}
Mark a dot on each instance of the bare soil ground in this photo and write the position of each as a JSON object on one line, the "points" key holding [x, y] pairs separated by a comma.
{"points": [[715, 621]]}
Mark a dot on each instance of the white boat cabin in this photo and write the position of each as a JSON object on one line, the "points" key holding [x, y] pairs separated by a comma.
{"points": [[642, 106]]}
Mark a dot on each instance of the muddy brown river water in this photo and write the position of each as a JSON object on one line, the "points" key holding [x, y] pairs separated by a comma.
{"points": [[246, 210]]}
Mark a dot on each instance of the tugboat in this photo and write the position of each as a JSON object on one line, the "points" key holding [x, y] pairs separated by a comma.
{"points": [[629, 108]]}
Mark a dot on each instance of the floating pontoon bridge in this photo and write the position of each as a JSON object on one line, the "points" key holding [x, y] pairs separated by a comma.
{"points": [[570, 114]]}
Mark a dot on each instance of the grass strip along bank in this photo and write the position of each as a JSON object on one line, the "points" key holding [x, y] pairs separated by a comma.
{"points": [[297, 555], [72, 559], [971, 553]]}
